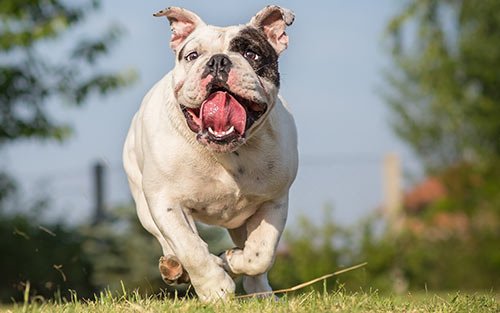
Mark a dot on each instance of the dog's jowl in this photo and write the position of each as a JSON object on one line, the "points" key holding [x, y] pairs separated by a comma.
{"points": [[214, 142]]}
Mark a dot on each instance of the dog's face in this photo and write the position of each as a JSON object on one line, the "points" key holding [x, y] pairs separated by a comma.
{"points": [[226, 79]]}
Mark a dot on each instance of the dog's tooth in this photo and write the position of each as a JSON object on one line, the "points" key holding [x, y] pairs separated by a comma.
{"points": [[221, 133]]}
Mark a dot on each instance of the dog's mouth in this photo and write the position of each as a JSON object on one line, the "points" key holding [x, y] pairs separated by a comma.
{"points": [[223, 117]]}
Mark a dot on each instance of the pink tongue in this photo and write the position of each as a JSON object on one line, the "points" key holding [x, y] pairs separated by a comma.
{"points": [[221, 111]]}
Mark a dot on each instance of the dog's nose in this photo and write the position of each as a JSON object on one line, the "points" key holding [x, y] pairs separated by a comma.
{"points": [[218, 66]]}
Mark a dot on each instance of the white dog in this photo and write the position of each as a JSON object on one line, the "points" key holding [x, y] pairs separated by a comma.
{"points": [[213, 142]]}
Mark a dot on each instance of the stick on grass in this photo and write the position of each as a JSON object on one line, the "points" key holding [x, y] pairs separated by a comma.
{"points": [[308, 283]]}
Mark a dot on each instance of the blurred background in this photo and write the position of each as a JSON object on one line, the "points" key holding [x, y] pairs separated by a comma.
{"points": [[397, 104]]}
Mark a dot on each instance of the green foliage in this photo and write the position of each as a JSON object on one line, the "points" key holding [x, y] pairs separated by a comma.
{"points": [[48, 256], [309, 252], [445, 102], [34, 71], [314, 250], [444, 88], [471, 189], [118, 252], [439, 255], [54, 259], [470, 263], [7, 187], [121, 251]]}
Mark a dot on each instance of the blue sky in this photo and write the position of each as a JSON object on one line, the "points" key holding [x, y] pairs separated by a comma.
{"points": [[331, 76]]}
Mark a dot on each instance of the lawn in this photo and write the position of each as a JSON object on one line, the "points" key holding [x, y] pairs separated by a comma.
{"points": [[339, 301]]}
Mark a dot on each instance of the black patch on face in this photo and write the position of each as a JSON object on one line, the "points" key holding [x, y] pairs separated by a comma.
{"points": [[250, 38]]}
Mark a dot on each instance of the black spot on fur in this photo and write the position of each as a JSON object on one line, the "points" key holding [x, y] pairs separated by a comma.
{"points": [[257, 254], [241, 170], [251, 38], [169, 209], [249, 260], [236, 153]]}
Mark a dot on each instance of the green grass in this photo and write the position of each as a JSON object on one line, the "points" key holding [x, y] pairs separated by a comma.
{"points": [[339, 301]]}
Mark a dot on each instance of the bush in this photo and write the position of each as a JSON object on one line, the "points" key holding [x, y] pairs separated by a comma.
{"points": [[434, 258], [49, 257], [56, 259]]}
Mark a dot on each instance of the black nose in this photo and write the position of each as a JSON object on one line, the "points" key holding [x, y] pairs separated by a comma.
{"points": [[218, 66]]}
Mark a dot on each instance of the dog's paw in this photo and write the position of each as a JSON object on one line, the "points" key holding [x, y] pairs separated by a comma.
{"points": [[216, 288], [171, 270], [225, 256]]}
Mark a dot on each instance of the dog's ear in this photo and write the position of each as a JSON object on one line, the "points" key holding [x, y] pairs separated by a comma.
{"points": [[182, 23], [273, 20]]}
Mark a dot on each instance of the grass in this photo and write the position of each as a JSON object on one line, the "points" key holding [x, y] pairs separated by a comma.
{"points": [[339, 301]]}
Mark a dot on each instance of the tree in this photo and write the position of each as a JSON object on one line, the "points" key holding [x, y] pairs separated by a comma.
{"points": [[445, 100], [444, 92], [34, 70], [41, 64]]}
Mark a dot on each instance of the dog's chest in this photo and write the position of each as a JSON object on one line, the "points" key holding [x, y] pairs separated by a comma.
{"points": [[228, 195]]}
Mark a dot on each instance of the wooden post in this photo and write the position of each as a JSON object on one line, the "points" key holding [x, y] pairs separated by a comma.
{"points": [[98, 173], [392, 191], [393, 205]]}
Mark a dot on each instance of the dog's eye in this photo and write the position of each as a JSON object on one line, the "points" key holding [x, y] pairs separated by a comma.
{"points": [[191, 56], [250, 55]]}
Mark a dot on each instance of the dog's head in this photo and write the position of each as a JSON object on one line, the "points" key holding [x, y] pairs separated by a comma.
{"points": [[226, 79]]}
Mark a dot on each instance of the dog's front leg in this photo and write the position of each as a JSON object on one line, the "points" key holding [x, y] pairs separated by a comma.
{"points": [[263, 231], [208, 278]]}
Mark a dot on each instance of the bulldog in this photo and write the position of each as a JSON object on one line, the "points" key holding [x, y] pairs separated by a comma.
{"points": [[214, 142]]}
